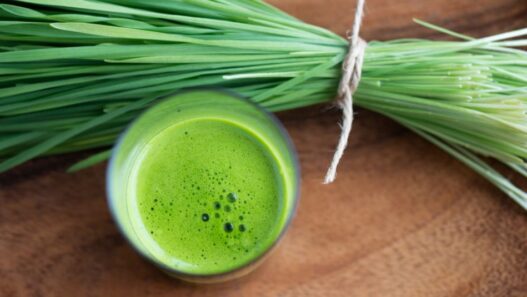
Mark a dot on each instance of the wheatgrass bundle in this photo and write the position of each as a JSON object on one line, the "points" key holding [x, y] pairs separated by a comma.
{"points": [[74, 73]]}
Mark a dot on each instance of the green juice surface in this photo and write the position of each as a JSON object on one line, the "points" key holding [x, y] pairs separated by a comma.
{"points": [[209, 196]]}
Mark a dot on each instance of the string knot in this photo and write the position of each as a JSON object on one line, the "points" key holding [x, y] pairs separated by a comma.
{"points": [[351, 76]]}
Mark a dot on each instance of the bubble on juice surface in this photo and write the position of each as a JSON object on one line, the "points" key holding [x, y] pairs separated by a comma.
{"points": [[217, 205], [232, 197], [205, 217], [228, 227]]}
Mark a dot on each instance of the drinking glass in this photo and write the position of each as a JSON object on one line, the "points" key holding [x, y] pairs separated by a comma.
{"points": [[185, 106]]}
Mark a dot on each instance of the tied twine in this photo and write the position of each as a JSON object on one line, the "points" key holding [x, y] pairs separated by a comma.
{"points": [[351, 76]]}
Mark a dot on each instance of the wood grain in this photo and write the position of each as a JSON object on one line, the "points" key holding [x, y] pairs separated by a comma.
{"points": [[403, 218]]}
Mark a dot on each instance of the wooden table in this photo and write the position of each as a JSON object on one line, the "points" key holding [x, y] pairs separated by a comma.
{"points": [[403, 219]]}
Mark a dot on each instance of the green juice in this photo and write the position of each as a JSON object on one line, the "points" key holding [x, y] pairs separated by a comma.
{"points": [[208, 193], [204, 185]]}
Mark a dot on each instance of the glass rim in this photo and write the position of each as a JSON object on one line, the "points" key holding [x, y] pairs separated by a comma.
{"points": [[297, 180]]}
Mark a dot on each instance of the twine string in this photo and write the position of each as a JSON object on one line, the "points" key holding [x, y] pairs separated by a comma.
{"points": [[351, 76]]}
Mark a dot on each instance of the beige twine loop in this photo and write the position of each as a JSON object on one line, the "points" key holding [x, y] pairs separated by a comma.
{"points": [[351, 75]]}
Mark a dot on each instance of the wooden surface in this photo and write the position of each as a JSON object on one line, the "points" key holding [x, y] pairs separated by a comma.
{"points": [[403, 218]]}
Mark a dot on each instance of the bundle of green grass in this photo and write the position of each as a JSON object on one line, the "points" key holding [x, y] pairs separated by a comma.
{"points": [[74, 73]]}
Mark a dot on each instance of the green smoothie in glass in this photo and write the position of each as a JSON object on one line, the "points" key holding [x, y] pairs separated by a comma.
{"points": [[204, 185]]}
